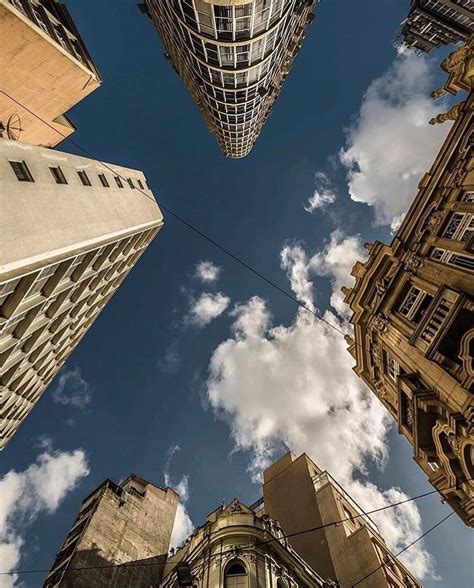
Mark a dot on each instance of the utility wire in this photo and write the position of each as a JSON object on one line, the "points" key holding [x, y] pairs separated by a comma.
{"points": [[284, 535], [263, 278], [438, 524]]}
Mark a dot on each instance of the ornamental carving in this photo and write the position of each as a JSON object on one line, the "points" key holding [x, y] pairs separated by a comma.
{"points": [[434, 221], [380, 390], [376, 355], [413, 262], [380, 323], [235, 506]]}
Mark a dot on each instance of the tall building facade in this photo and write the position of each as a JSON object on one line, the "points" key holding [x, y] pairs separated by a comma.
{"points": [[413, 309], [45, 69], [120, 538], [233, 56], [433, 23], [71, 229], [237, 547], [301, 496]]}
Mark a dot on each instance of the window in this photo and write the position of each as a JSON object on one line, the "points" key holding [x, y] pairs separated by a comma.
{"points": [[21, 171], [40, 20], [103, 181], [236, 575], [58, 175], [433, 466], [460, 227], [391, 366], [140, 184], [415, 304], [347, 514], [449, 257], [84, 178], [130, 183], [407, 412], [118, 181]]}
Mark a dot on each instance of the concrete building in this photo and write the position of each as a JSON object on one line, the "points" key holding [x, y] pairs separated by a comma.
{"points": [[433, 23], [71, 229], [121, 537], [413, 309], [45, 69], [301, 496], [237, 547], [233, 56]]}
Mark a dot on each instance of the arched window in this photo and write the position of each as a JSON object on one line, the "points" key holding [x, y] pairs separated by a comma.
{"points": [[236, 575]]}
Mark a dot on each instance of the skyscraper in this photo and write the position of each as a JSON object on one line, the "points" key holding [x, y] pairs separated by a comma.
{"points": [[433, 23], [413, 309], [301, 496], [233, 56], [120, 538], [71, 229], [45, 69]]}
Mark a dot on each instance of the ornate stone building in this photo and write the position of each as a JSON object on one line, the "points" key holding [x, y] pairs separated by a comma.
{"points": [[71, 229], [121, 537], [129, 523], [432, 23], [239, 548], [233, 56], [45, 69], [413, 309], [302, 496]]}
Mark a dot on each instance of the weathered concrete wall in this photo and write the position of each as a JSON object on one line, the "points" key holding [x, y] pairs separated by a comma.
{"points": [[42, 220], [137, 531]]}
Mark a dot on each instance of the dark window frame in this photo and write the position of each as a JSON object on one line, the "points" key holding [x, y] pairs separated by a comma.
{"points": [[21, 171], [103, 180], [118, 181], [84, 177], [58, 174]]}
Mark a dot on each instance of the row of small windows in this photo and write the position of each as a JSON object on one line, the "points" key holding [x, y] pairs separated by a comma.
{"points": [[23, 174]]}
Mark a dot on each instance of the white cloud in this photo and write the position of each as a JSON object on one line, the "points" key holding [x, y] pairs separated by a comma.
{"points": [[207, 272], [72, 389], [335, 262], [26, 495], [183, 525], [323, 195], [44, 442], [207, 307], [294, 384], [392, 145]]}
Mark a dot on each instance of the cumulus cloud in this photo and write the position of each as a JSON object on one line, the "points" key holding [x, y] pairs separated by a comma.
{"points": [[335, 262], [183, 525], [72, 389], [294, 385], [391, 145], [323, 195], [207, 307], [207, 272], [24, 496]]}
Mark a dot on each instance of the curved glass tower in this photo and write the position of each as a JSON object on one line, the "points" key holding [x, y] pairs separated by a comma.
{"points": [[233, 56]]}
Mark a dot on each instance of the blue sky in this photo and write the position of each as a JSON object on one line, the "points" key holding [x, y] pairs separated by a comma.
{"points": [[151, 375]]}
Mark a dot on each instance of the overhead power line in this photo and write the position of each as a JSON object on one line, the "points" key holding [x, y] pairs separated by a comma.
{"points": [[265, 542]]}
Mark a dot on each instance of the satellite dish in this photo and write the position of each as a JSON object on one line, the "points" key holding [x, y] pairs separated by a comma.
{"points": [[13, 127]]}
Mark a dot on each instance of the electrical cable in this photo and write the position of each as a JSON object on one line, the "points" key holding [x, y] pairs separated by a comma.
{"points": [[267, 541], [383, 564], [266, 280]]}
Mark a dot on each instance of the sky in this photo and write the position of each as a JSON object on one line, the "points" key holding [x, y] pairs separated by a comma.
{"points": [[198, 374]]}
